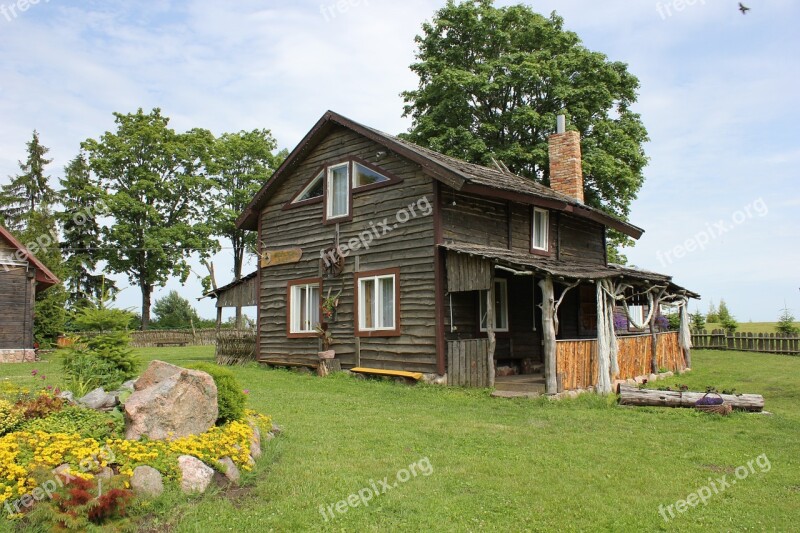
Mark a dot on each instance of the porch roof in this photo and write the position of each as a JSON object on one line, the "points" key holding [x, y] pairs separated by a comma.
{"points": [[572, 270]]}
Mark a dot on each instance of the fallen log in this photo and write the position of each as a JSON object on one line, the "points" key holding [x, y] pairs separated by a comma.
{"points": [[629, 395]]}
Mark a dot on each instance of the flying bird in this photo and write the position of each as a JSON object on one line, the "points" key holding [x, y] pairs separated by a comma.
{"points": [[743, 8]]}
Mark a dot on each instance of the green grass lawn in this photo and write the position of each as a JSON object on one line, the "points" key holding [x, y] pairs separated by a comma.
{"points": [[503, 465]]}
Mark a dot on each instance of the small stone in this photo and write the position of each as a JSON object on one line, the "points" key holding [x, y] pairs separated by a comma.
{"points": [[269, 436], [277, 430], [67, 396], [631, 382], [250, 461], [147, 481], [98, 400], [105, 473], [227, 472], [255, 443], [129, 385], [639, 380], [196, 476], [668, 374], [572, 394]]}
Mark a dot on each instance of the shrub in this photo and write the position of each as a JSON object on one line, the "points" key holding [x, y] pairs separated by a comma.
{"points": [[230, 397], [786, 323], [101, 361], [40, 406], [10, 417], [85, 422]]}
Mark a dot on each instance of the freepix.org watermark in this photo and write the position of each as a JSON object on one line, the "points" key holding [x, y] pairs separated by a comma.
{"points": [[667, 9], [15, 9], [340, 7], [376, 488], [714, 487], [60, 477], [375, 232], [701, 239]]}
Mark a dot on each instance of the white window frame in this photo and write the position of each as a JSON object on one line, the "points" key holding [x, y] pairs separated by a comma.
{"points": [[546, 221], [310, 305], [503, 286], [299, 198], [330, 195], [354, 172], [377, 310], [637, 313]]}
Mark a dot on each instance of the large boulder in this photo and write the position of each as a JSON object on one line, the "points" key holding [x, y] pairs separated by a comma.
{"points": [[171, 402]]}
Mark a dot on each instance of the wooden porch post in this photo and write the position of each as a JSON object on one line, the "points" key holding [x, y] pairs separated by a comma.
{"points": [[490, 331], [653, 337], [549, 334], [219, 319]]}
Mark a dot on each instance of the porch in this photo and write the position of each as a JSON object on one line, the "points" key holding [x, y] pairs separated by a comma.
{"points": [[527, 325]]}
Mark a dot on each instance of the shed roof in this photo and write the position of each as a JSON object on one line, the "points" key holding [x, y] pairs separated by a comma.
{"points": [[454, 172], [44, 277]]}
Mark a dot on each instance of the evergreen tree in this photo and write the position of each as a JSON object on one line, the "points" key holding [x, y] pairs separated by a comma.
{"points": [[786, 324], [726, 318], [713, 314], [698, 320], [82, 204], [27, 191]]}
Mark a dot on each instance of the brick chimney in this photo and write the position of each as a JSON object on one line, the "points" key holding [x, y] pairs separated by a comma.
{"points": [[566, 175]]}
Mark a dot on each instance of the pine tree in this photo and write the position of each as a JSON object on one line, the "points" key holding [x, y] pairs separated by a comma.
{"points": [[726, 318], [786, 324], [713, 314], [82, 204], [28, 190]]}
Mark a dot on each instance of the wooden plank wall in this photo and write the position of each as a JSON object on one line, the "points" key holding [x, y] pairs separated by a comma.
{"points": [[581, 240], [409, 247], [244, 294], [467, 363], [16, 311], [468, 273], [718, 339], [576, 360], [474, 220]]}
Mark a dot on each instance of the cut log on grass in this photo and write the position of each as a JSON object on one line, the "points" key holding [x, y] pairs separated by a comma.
{"points": [[661, 398]]}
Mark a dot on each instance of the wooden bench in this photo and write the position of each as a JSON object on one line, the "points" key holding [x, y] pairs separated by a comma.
{"points": [[416, 376], [171, 343]]}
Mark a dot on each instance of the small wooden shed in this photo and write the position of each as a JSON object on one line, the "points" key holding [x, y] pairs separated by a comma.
{"points": [[22, 277]]}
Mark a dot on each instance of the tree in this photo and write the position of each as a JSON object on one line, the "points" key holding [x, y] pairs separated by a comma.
{"points": [[240, 163], [173, 311], [698, 320], [726, 318], [152, 182], [80, 198], [786, 324], [492, 81], [28, 190], [713, 314]]}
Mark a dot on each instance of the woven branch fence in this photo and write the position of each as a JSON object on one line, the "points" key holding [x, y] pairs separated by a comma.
{"points": [[236, 347]]}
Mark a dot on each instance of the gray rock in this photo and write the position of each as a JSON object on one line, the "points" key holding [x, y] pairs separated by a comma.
{"points": [[255, 443], [129, 385], [228, 473], [196, 476], [106, 473], [277, 430], [147, 481], [175, 403], [99, 400], [67, 395]]}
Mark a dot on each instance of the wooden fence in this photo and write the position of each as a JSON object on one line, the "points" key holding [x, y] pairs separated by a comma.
{"points": [[236, 347], [154, 337], [576, 360], [467, 363], [719, 339]]}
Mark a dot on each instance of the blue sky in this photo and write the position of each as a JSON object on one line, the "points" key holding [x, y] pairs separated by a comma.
{"points": [[718, 96]]}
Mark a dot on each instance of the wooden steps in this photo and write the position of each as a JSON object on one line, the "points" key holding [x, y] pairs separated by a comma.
{"points": [[522, 385]]}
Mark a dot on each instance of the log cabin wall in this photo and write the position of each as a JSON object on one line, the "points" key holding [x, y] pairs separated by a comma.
{"points": [[17, 293], [409, 247], [472, 219], [580, 240]]}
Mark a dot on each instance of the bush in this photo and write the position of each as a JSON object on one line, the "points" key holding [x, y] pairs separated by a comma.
{"points": [[230, 396], [85, 422], [10, 417], [40, 406]]}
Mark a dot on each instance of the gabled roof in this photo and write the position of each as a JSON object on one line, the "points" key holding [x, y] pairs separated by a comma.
{"points": [[458, 174], [572, 270], [45, 279]]}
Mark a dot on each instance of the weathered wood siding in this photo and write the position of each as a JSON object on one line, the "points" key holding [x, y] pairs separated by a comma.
{"points": [[474, 220], [17, 293], [244, 294], [580, 240], [468, 363], [468, 273], [408, 247]]}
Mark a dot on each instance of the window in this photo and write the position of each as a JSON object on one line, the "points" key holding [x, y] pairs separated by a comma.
{"points": [[539, 233], [303, 307], [363, 175], [637, 315], [313, 189], [377, 295], [500, 306], [338, 205]]}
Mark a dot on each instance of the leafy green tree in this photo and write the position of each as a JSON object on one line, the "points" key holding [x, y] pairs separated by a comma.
{"points": [[723, 313], [492, 81], [786, 323], [174, 311], [28, 190], [239, 165], [81, 202], [153, 183], [713, 314]]}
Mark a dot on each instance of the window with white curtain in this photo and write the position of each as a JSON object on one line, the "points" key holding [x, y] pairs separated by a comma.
{"points": [[304, 307], [338, 191], [377, 305], [539, 233], [500, 306]]}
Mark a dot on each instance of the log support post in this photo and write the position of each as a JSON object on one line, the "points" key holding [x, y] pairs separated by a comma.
{"points": [[490, 332], [549, 334], [656, 302]]}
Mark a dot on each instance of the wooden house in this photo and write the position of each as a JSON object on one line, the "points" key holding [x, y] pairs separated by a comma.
{"points": [[419, 262], [22, 276]]}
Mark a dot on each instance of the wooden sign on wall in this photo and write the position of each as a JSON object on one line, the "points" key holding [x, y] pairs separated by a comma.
{"points": [[280, 257]]}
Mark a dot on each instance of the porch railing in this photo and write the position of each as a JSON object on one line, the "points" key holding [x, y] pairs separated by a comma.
{"points": [[576, 360]]}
